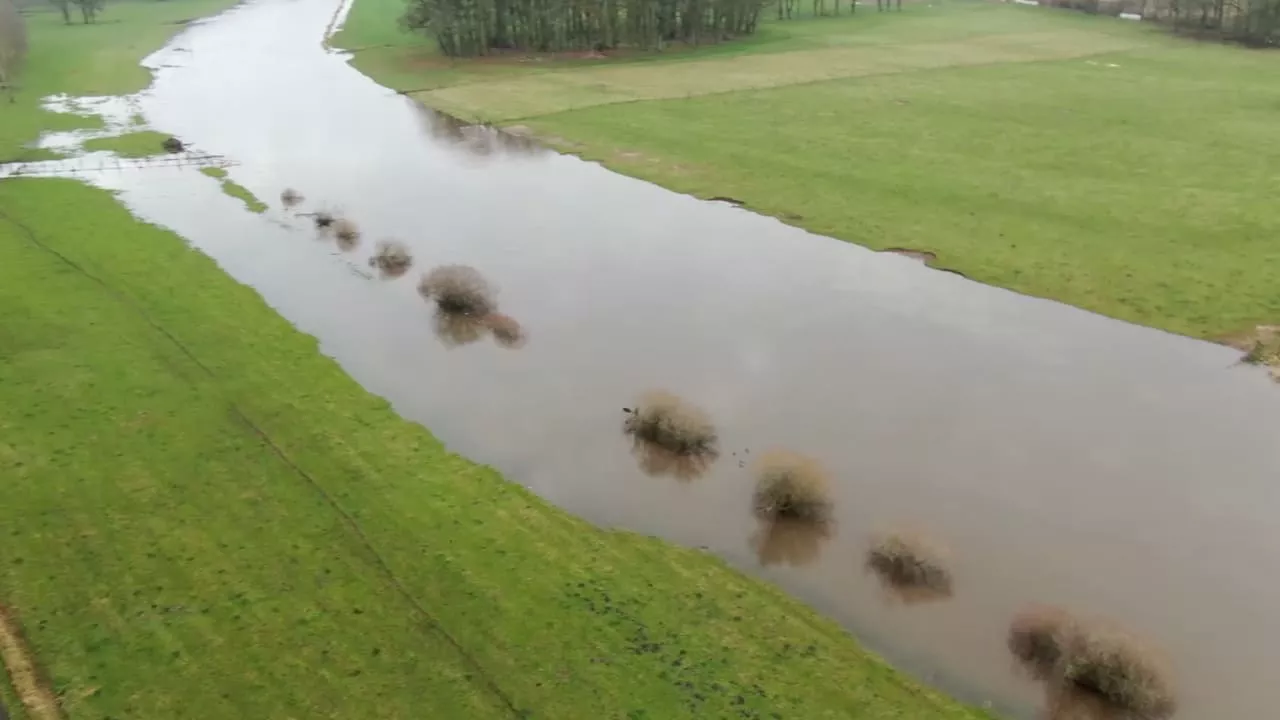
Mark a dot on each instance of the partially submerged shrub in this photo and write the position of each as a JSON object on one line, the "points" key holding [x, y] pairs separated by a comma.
{"points": [[672, 424], [323, 219], [1117, 668], [459, 290], [347, 234], [392, 258], [656, 461], [505, 329], [456, 330], [792, 487], [1038, 639], [1094, 658], [173, 145], [910, 565], [290, 197], [789, 542]]}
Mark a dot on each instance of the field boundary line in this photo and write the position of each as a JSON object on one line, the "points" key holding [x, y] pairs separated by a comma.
{"points": [[24, 672], [486, 679], [420, 95]]}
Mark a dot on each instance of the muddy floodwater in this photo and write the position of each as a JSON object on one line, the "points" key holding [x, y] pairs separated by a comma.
{"points": [[1059, 456]]}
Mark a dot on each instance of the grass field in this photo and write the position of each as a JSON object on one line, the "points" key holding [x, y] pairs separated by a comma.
{"points": [[235, 189], [141, 143], [1079, 158], [204, 517]]}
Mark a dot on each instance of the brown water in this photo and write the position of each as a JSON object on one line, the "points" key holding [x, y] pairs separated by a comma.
{"points": [[1061, 456]]}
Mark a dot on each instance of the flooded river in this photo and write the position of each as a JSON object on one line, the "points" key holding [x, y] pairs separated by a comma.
{"points": [[1062, 457]]}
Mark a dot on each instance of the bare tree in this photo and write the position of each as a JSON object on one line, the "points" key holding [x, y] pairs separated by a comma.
{"points": [[13, 46], [64, 6], [89, 9]]}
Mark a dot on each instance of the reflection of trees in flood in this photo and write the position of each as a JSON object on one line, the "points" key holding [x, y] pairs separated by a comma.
{"points": [[657, 461], [456, 329], [785, 541], [477, 140], [1063, 702]]}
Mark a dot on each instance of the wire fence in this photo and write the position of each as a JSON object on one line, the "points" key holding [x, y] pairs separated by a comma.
{"points": [[90, 165]]}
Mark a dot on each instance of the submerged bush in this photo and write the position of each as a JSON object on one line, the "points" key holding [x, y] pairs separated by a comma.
{"points": [[323, 219], [793, 487], [505, 329], [1096, 658], [672, 424], [347, 234], [1038, 639], [391, 258], [789, 542], [290, 197], [910, 565], [1117, 668], [459, 290]]}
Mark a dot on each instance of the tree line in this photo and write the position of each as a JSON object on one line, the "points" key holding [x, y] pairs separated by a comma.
{"points": [[1251, 22], [13, 45], [482, 27], [89, 9]]}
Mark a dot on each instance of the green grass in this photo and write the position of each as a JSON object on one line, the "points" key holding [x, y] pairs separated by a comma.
{"points": [[9, 698], [142, 143], [97, 59], [1052, 153], [235, 189], [205, 517]]}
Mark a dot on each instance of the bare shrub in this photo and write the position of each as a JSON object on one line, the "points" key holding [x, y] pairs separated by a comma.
{"points": [[1038, 639], [456, 330], [791, 486], [1092, 658], [346, 233], [290, 197], [506, 330], [789, 542], [391, 258], [1116, 667], [911, 566], [458, 289], [672, 424]]}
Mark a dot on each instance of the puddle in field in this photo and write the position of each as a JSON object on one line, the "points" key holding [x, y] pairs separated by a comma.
{"points": [[1060, 457]]}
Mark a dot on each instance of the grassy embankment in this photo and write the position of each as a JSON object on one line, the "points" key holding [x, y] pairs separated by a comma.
{"points": [[1083, 159], [206, 518]]}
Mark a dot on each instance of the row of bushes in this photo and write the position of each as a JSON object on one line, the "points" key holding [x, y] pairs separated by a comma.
{"points": [[793, 499], [794, 503], [466, 305]]}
